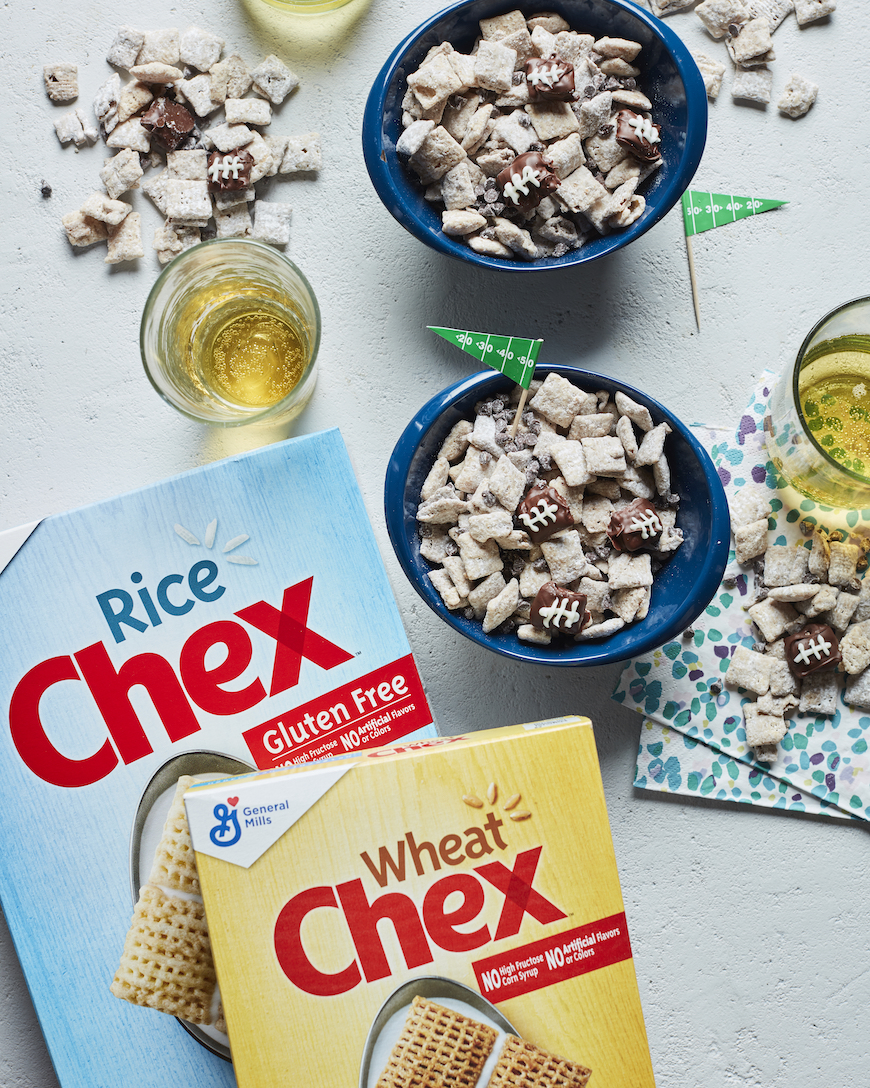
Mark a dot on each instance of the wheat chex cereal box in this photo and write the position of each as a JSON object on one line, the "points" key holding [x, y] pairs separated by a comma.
{"points": [[439, 912]]}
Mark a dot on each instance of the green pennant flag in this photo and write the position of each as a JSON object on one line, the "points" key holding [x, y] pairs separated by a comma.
{"points": [[705, 211], [514, 356]]}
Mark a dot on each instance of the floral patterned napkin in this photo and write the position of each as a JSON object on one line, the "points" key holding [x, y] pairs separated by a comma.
{"points": [[692, 739]]}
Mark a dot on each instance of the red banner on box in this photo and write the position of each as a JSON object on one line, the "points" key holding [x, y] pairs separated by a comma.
{"points": [[561, 956], [378, 708]]}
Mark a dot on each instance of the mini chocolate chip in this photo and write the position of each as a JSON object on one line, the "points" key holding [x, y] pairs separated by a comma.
{"points": [[488, 498], [729, 583], [540, 564], [451, 548], [689, 632], [715, 688], [605, 131], [468, 613], [484, 457], [45, 190], [490, 196]]}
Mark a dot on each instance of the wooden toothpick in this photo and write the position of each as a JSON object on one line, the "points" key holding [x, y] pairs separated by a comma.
{"points": [[691, 257], [520, 406]]}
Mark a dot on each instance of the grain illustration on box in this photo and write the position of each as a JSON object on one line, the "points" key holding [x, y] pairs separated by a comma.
{"points": [[450, 908]]}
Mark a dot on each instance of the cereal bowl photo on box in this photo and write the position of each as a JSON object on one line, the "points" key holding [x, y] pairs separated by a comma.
{"points": [[599, 533], [535, 138]]}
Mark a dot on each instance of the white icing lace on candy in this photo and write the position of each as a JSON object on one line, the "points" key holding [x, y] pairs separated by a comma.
{"points": [[540, 514], [229, 165], [644, 129], [548, 74], [818, 649], [646, 524], [558, 611], [519, 183]]}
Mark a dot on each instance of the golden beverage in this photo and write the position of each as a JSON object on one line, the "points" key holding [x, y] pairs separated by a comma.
{"points": [[834, 393], [230, 334], [248, 354]]}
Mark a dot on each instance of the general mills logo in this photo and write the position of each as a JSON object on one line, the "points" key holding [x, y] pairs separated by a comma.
{"points": [[226, 832]]}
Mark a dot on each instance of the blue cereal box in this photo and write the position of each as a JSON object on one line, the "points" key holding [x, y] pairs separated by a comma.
{"points": [[234, 618]]}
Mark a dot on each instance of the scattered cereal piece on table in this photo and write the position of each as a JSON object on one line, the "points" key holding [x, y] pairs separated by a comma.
{"points": [[752, 85], [125, 240], [82, 231], [774, 11], [712, 72], [61, 82], [199, 48], [807, 11], [121, 173], [160, 46], [125, 48], [108, 211], [272, 224], [273, 79], [798, 96], [106, 102], [248, 111]]}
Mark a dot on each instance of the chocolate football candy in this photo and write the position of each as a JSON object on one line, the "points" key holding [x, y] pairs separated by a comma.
{"points": [[168, 122], [229, 171], [550, 79], [638, 135], [527, 180], [635, 526], [543, 513], [815, 648], [558, 611]]}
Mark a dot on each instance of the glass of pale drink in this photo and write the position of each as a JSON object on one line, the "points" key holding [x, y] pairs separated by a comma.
{"points": [[230, 334], [818, 426]]}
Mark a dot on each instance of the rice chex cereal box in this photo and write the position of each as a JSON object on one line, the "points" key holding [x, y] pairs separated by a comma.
{"points": [[234, 617], [440, 912]]}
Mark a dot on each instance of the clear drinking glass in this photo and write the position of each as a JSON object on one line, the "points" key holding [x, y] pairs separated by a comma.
{"points": [[818, 425], [230, 334]]}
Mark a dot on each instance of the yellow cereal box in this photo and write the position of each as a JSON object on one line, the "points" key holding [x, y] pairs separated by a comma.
{"points": [[443, 912]]}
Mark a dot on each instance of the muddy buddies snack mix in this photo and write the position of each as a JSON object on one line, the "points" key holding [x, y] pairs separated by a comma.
{"points": [[534, 142], [192, 122], [811, 612], [557, 531]]}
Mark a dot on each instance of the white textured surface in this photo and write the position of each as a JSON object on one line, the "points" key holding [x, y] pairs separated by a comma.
{"points": [[749, 927]]}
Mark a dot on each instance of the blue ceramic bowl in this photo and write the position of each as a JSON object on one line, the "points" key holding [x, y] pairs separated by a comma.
{"points": [[683, 587], [670, 80]]}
